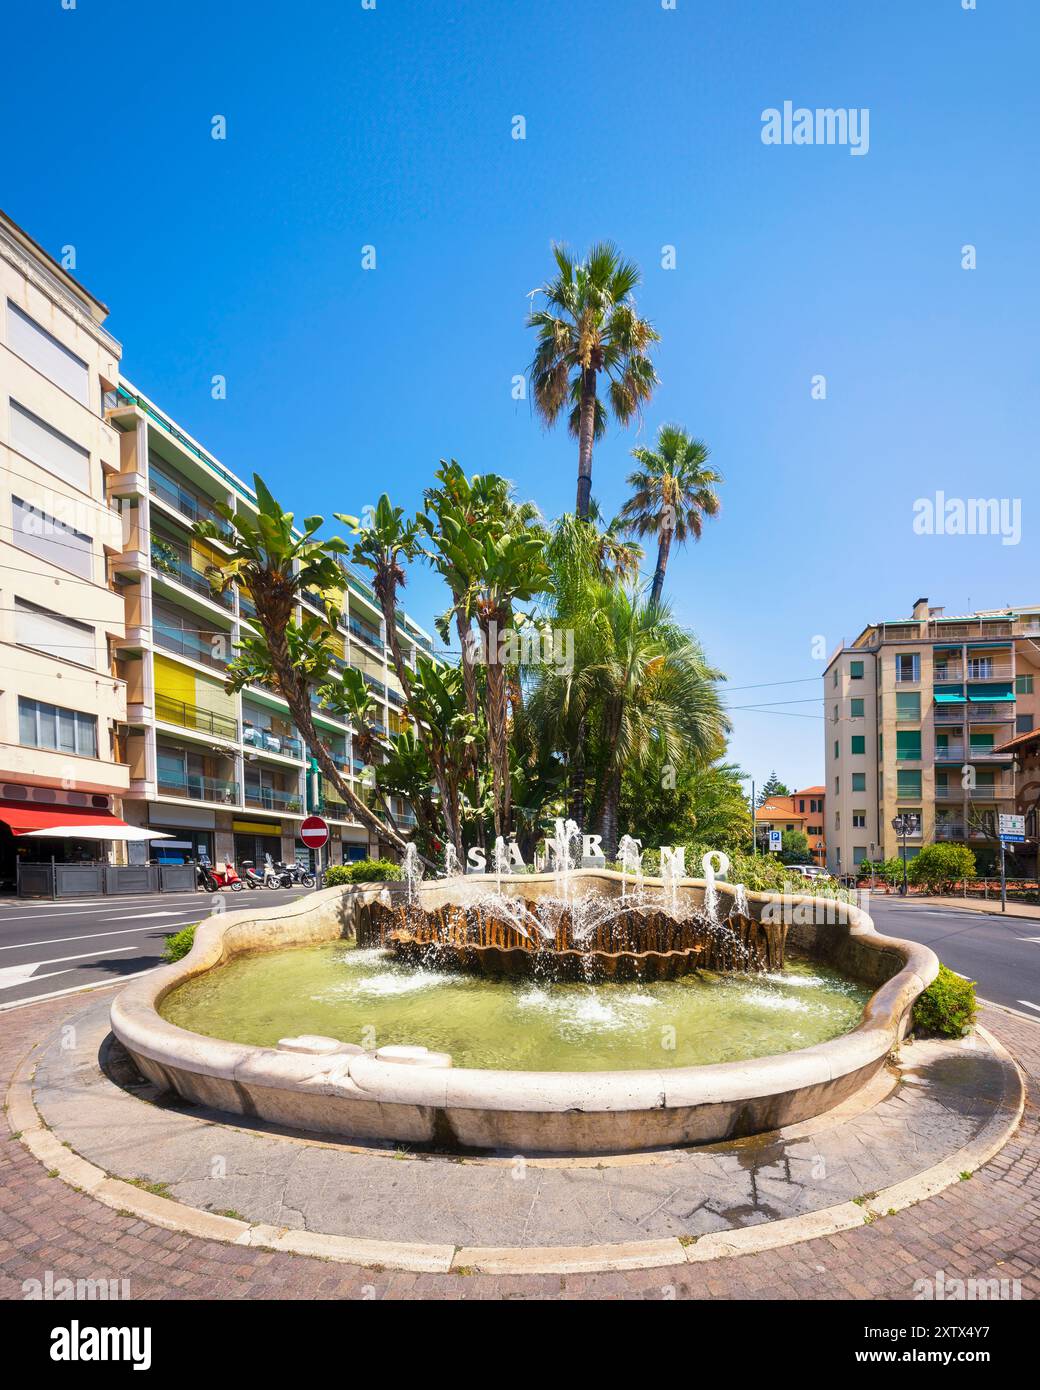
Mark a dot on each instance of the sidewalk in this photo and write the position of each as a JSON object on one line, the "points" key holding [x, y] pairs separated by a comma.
{"points": [[1029, 911]]}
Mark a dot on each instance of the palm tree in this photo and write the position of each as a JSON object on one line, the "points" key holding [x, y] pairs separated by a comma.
{"points": [[655, 697], [589, 325], [673, 492], [278, 564]]}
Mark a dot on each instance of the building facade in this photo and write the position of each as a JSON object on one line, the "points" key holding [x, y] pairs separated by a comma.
{"points": [[117, 647], [803, 811], [63, 702], [915, 712]]}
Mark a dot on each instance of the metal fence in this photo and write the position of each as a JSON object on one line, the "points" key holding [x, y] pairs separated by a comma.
{"points": [[102, 880]]}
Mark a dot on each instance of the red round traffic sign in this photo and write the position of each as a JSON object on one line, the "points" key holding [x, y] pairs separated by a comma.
{"points": [[314, 832]]}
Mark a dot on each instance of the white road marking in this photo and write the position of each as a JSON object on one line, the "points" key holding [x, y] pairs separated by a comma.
{"points": [[12, 975], [1030, 1005], [142, 915], [84, 936], [72, 989], [1034, 939]]}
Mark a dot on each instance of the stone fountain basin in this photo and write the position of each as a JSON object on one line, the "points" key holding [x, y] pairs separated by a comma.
{"points": [[409, 1095]]}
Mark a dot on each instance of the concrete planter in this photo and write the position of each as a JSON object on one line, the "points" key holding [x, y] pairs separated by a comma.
{"points": [[410, 1095]]}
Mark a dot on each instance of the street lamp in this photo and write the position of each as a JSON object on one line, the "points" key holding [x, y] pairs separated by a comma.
{"points": [[904, 825]]}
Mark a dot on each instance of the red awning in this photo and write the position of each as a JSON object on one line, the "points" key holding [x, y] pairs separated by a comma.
{"points": [[21, 817]]}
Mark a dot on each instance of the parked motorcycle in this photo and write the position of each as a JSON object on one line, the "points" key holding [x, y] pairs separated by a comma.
{"points": [[300, 874], [276, 875]]}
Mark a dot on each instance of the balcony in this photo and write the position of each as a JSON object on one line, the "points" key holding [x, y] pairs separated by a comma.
{"points": [[187, 716], [949, 830], [365, 633], [949, 672], [1002, 713], [185, 503], [269, 742], [952, 753], [989, 670], [202, 646], [274, 799], [197, 788], [950, 714], [168, 564]]}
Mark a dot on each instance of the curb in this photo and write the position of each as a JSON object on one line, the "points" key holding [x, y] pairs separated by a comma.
{"points": [[26, 1123]]}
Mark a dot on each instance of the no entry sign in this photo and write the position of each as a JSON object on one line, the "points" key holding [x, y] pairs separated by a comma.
{"points": [[314, 832]]}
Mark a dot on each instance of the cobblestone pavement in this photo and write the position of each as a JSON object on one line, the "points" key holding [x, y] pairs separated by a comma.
{"points": [[987, 1227]]}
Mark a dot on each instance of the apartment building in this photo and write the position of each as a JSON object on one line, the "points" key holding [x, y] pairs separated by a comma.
{"points": [[224, 775], [113, 703], [916, 710], [803, 811], [62, 701]]}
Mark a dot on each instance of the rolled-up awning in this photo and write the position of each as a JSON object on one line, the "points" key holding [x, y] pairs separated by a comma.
{"points": [[69, 822]]}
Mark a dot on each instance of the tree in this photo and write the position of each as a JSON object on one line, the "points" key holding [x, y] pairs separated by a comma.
{"points": [[694, 803], [588, 326], [939, 867], [773, 787], [653, 692], [672, 492], [794, 848], [277, 565]]}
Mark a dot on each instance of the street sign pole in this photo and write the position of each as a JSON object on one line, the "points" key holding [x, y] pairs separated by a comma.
{"points": [[1003, 880]]}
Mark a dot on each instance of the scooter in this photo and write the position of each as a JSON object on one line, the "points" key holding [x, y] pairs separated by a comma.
{"points": [[250, 877], [300, 874], [211, 879], [276, 875]]}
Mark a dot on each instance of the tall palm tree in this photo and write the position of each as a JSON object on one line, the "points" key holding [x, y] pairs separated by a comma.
{"points": [[277, 565], [673, 491], [656, 696], [589, 325]]}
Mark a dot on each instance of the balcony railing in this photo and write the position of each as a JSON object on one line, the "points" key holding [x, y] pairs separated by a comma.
{"points": [[186, 716], [998, 790], [187, 574], [952, 753], [949, 672], [950, 715], [949, 830], [365, 633], [273, 799], [271, 742], [1003, 713], [186, 503], [194, 788], [192, 644]]}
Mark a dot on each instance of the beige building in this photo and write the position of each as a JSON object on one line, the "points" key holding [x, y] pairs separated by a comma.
{"points": [[915, 712], [112, 702], [62, 703]]}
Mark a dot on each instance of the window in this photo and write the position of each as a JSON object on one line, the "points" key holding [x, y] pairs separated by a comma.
{"points": [[837, 820], [837, 785], [41, 535], [801, 805], [857, 709], [1023, 724], [908, 704], [61, 730], [836, 748], [859, 820], [859, 781], [856, 670], [859, 853], [49, 448], [835, 681], [980, 668], [908, 783], [859, 743], [47, 632], [908, 666], [1023, 685], [908, 745], [788, 827], [42, 350]]}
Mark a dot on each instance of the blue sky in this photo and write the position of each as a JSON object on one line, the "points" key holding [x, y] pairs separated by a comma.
{"points": [[392, 127]]}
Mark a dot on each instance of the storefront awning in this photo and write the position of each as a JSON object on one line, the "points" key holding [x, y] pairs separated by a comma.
{"points": [[69, 822]]}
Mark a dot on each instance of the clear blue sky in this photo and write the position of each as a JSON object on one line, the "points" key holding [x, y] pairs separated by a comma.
{"points": [[392, 127]]}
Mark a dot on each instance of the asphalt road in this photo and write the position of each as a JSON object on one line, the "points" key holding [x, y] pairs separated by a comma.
{"points": [[1002, 954], [55, 948]]}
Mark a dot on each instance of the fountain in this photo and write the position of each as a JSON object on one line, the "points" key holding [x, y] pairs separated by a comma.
{"points": [[631, 856], [638, 935]]}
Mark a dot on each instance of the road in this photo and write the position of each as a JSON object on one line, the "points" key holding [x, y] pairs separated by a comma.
{"points": [[55, 948], [1002, 954]]}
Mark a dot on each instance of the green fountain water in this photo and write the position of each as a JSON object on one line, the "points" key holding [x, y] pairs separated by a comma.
{"points": [[363, 996]]}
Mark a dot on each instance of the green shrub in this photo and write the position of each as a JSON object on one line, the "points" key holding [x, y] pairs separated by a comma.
{"points": [[947, 1008], [941, 866], [179, 944], [362, 871]]}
